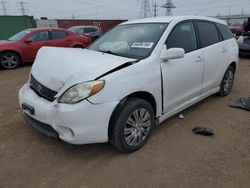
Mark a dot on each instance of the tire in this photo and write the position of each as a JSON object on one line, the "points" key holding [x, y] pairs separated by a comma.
{"points": [[132, 125], [78, 46], [227, 82], [9, 60]]}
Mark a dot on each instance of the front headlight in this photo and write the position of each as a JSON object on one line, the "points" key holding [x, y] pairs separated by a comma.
{"points": [[81, 91]]}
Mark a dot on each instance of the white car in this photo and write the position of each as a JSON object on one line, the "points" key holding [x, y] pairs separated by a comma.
{"points": [[134, 77]]}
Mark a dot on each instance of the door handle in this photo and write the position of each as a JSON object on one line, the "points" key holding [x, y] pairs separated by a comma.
{"points": [[199, 59]]}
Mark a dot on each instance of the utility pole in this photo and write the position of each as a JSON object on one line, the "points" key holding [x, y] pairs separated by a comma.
{"points": [[169, 6], [3, 3], [145, 9], [22, 5], [155, 9]]}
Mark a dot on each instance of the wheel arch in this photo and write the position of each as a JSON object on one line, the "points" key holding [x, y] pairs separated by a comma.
{"points": [[13, 51], [234, 65], [77, 45]]}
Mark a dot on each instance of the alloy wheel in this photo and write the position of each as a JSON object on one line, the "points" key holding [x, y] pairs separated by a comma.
{"points": [[228, 81], [9, 61], [137, 127]]}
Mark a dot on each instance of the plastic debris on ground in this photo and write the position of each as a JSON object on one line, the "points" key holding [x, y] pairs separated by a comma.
{"points": [[203, 131], [243, 103], [181, 116]]}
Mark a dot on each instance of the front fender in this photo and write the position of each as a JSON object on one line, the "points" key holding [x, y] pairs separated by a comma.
{"points": [[12, 49], [144, 76]]}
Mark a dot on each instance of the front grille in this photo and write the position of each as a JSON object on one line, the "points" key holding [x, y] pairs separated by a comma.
{"points": [[41, 90]]}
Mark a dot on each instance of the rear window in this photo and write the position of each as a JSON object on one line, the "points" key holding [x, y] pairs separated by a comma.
{"points": [[225, 31], [58, 34], [89, 30], [208, 33]]}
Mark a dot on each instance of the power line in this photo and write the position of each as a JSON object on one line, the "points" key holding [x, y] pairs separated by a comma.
{"points": [[22, 5], [3, 3], [145, 9], [155, 6], [169, 6]]}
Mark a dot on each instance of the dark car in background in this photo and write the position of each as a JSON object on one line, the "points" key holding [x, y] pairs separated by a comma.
{"points": [[23, 47], [93, 32], [244, 44]]}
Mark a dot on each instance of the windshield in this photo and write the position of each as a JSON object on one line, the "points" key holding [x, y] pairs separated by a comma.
{"points": [[133, 41], [19, 36]]}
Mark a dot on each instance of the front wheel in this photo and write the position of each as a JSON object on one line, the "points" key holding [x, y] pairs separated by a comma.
{"points": [[9, 60], [132, 125], [227, 82]]}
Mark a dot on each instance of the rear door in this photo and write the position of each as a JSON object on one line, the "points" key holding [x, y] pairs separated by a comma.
{"points": [[182, 78], [215, 51], [60, 38]]}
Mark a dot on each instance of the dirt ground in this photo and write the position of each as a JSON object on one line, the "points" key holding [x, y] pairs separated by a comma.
{"points": [[172, 157]]}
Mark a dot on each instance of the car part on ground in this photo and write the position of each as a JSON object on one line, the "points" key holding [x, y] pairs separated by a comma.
{"points": [[203, 131], [243, 103]]}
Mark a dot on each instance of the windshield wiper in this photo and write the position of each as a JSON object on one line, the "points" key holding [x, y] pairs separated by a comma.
{"points": [[109, 52]]}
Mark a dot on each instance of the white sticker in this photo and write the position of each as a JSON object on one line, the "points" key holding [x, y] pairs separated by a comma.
{"points": [[142, 45]]}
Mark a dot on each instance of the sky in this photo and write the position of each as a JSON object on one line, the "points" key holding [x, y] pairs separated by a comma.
{"points": [[121, 9]]}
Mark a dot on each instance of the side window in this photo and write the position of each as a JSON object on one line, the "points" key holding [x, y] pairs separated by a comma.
{"points": [[40, 36], [89, 30], [225, 31], [183, 36], [58, 34], [208, 33]]}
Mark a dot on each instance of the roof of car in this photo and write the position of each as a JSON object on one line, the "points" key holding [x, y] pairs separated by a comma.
{"points": [[168, 19], [42, 29], [84, 26]]}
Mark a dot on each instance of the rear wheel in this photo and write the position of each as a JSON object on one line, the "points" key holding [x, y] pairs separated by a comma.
{"points": [[132, 126], [9, 60], [227, 82]]}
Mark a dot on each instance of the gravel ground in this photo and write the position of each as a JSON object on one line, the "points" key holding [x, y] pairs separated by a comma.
{"points": [[172, 157]]}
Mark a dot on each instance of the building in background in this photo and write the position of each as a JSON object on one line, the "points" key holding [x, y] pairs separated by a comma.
{"points": [[11, 25], [45, 23]]}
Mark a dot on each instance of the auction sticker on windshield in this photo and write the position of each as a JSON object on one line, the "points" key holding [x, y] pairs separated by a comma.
{"points": [[142, 45]]}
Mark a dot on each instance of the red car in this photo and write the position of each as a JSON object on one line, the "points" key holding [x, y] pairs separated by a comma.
{"points": [[23, 47], [237, 28]]}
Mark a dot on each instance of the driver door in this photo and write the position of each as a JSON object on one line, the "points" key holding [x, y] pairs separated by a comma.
{"points": [[182, 78], [36, 41]]}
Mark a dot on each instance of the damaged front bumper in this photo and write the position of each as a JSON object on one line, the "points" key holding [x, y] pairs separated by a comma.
{"points": [[80, 123]]}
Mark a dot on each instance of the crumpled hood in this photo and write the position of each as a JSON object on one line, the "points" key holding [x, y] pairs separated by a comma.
{"points": [[56, 67]]}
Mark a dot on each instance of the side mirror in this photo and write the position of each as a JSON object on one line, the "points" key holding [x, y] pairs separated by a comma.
{"points": [[172, 53], [28, 41]]}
